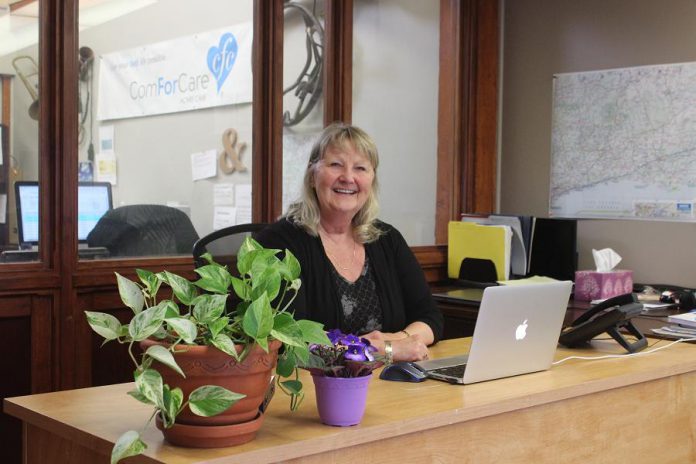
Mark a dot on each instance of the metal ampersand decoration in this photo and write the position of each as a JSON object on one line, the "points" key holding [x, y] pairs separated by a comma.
{"points": [[308, 85], [231, 155]]}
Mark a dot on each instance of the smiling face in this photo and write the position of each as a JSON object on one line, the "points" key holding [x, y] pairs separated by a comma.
{"points": [[343, 181]]}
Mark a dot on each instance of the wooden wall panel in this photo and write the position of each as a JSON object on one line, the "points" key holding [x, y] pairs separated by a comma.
{"points": [[25, 367]]}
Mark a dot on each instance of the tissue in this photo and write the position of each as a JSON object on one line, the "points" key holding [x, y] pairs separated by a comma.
{"points": [[605, 281]]}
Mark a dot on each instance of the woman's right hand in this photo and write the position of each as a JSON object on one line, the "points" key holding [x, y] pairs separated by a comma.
{"points": [[410, 349]]}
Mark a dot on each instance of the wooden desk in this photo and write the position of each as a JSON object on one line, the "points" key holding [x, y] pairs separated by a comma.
{"points": [[637, 409]]}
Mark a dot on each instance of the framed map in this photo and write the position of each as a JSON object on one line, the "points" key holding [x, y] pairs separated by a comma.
{"points": [[624, 143]]}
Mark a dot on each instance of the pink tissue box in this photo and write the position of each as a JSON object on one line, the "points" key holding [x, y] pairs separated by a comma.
{"points": [[593, 285]]}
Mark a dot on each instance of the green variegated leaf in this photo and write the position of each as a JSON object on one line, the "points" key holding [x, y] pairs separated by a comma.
{"points": [[149, 384], [186, 329], [218, 325], [263, 259], [104, 324], [140, 397], [172, 401], [171, 309], [286, 330], [128, 444], [293, 386], [214, 278], [258, 318], [240, 288], [286, 365], [163, 355], [313, 332], [147, 322], [301, 354], [291, 266], [209, 307], [130, 293], [263, 343], [207, 257], [184, 290], [268, 282], [150, 280], [225, 344], [210, 400]]}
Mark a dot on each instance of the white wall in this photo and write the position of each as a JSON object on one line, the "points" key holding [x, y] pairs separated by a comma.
{"points": [[544, 37], [395, 81]]}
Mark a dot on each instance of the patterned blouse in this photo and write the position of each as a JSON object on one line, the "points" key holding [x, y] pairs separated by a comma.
{"points": [[361, 309]]}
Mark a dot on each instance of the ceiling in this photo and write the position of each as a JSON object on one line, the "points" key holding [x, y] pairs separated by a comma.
{"points": [[19, 19]]}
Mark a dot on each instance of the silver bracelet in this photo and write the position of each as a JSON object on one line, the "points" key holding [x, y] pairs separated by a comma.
{"points": [[388, 352]]}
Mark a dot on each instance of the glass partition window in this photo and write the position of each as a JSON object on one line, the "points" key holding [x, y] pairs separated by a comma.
{"points": [[303, 63], [19, 129], [165, 92], [395, 85]]}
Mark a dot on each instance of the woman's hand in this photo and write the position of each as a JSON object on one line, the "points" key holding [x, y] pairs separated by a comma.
{"points": [[411, 348]]}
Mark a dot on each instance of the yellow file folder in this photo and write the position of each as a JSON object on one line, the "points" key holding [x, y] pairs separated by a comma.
{"points": [[470, 240]]}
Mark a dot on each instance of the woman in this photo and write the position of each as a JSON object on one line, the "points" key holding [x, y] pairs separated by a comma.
{"points": [[358, 273]]}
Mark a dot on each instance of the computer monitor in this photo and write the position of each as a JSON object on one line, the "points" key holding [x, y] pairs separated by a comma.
{"points": [[27, 198], [93, 200]]}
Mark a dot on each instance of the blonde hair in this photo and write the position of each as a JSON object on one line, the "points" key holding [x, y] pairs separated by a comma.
{"points": [[306, 213]]}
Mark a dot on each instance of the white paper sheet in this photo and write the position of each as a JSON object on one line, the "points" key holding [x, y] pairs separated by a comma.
{"points": [[242, 194], [243, 214], [224, 216], [204, 164], [223, 195], [105, 167]]}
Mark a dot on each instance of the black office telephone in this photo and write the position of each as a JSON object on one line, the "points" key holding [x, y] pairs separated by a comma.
{"points": [[609, 316]]}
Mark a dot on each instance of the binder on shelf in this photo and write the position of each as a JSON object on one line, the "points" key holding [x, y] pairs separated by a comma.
{"points": [[521, 227], [539, 246], [487, 242]]}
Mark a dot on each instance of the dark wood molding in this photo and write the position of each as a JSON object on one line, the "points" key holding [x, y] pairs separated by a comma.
{"points": [[467, 111], [433, 261], [267, 107], [482, 181], [338, 61]]}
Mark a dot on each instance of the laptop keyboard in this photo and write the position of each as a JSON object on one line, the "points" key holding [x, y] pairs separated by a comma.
{"points": [[452, 371]]}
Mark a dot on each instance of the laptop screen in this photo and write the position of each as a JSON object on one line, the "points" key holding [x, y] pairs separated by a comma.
{"points": [[94, 199]]}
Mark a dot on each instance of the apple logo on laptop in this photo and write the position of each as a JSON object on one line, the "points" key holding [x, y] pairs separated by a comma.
{"points": [[521, 331]]}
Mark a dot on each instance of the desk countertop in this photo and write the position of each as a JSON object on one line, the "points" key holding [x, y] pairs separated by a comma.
{"points": [[96, 417]]}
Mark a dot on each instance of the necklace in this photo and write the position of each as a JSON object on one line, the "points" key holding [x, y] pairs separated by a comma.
{"points": [[333, 257]]}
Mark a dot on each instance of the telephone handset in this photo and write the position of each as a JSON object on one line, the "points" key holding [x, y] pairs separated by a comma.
{"points": [[609, 316]]}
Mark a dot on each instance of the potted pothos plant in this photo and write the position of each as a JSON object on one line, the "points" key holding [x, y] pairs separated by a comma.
{"points": [[208, 357]]}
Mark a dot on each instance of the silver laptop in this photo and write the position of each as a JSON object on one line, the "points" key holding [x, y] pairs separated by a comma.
{"points": [[516, 332]]}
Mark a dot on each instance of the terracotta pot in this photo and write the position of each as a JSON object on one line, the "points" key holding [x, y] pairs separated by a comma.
{"points": [[206, 365], [213, 436]]}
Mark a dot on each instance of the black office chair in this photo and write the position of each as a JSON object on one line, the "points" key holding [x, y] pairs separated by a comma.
{"points": [[144, 230], [223, 244]]}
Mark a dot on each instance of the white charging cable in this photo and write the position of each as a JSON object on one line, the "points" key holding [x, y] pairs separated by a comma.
{"points": [[639, 353]]}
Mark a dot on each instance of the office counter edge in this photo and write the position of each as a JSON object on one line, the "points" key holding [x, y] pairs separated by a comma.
{"points": [[333, 439]]}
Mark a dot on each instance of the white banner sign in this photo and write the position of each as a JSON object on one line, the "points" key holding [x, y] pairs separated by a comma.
{"points": [[199, 71]]}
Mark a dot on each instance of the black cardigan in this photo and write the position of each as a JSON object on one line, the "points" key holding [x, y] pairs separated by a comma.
{"points": [[403, 293]]}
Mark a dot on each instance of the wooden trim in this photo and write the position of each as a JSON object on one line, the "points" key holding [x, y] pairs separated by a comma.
{"points": [[448, 200], [267, 106], [20, 4], [467, 101], [338, 61], [42, 343], [6, 80], [433, 261], [484, 100]]}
